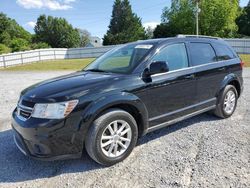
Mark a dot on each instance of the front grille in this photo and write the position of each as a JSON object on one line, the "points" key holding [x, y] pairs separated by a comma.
{"points": [[27, 103], [25, 114], [23, 110]]}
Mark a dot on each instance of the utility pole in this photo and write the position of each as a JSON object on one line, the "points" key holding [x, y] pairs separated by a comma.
{"points": [[197, 11]]}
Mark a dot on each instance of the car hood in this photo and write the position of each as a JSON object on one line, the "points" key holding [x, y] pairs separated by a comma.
{"points": [[67, 86]]}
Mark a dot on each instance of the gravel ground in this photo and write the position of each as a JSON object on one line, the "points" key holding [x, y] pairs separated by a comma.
{"points": [[203, 151]]}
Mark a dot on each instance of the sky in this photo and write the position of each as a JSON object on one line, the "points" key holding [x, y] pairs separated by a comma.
{"points": [[93, 15]]}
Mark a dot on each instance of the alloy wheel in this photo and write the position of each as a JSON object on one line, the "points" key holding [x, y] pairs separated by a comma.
{"points": [[116, 138], [229, 102]]}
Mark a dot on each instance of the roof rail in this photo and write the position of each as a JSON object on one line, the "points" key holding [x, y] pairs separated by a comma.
{"points": [[197, 36]]}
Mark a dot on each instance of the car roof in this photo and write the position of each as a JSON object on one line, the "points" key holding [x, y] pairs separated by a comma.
{"points": [[181, 39]]}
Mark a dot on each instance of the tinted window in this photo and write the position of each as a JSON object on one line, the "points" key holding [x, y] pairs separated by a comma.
{"points": [[223, 52], [202, 53], [175, 55]]}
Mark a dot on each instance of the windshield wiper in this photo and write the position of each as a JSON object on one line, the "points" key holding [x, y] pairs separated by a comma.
{"points": [[95, 70]]}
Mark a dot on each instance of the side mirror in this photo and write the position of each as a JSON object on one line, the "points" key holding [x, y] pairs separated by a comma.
{"points": [[158, 67]]}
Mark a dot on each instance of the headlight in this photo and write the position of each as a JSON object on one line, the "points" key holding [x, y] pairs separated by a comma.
{"points": [[54, 110]]}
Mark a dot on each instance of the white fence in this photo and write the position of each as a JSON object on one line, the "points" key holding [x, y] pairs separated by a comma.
{"points": [[51, 54], [241, 46]]}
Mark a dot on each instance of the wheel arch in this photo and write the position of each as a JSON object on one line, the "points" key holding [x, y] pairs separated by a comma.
{"points": [[230, 79], [125, 101], [237, 86]]}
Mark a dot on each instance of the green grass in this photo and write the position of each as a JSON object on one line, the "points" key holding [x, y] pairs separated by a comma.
{"points": [[246, 59], [54, 65]]}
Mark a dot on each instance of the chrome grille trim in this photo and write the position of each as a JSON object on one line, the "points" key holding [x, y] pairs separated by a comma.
{"points": [[23, 108]]}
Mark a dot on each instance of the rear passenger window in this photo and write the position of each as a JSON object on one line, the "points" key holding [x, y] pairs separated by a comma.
{"points": [[223, 52], [201, 53], [175, 55]]}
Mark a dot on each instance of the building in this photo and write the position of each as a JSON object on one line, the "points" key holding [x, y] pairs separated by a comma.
{"points": [[94, 42]]}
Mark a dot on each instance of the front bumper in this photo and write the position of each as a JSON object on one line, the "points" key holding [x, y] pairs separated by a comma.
{"points": [[48, 139]]}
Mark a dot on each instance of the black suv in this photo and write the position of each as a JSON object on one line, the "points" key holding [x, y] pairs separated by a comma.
{"points": [[124, 94]]}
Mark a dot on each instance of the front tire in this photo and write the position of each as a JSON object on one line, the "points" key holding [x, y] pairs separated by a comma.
{"points": [[227, 102], [112, 137]]}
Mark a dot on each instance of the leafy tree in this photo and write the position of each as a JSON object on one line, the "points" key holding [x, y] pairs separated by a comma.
{"points": [[9, 30], [4, 49], [84, 37], [164, 30], [125, 26], [217, 18], [5, 22], [56, 32], [243, 21], [180, 16], [19, 45]]}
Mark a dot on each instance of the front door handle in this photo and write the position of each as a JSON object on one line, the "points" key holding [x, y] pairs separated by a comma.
{"points": [[191, 76]]}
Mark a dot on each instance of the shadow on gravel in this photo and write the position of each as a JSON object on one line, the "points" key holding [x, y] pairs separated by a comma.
{"points": [[177, 126], [15, 167]]}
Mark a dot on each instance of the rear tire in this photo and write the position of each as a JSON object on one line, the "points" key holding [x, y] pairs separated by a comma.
{"points": [[111, 137], [227, 102]]}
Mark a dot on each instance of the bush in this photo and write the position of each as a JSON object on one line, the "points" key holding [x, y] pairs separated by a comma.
{"points": [[19, 44], [4, 49], [40, 45]]}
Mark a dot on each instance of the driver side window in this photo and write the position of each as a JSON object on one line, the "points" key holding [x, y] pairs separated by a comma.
{"points": [[175, 55]]}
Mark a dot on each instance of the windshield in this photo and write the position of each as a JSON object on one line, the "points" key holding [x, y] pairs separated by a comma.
{"points": [[120, 60]]}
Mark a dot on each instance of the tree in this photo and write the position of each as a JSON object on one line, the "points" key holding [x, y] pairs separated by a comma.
{"points": [[56, 32], [5, 22], [164, 30], [125, 26], [180, 17], [243, 22], [9, 30], [84, 37], [217, 18]]}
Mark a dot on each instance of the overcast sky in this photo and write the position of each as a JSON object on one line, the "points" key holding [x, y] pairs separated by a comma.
{"points": [[93, 15]]}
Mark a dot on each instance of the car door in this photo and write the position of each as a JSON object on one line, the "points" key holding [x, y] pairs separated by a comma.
{"points": [[209, 72], [171, 94]]}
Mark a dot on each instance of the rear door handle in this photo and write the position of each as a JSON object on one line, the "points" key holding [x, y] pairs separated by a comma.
{"points": [[191, 76], [222, 69]]}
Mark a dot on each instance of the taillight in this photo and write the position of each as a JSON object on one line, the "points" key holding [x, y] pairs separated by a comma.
{"points": [[241, 64]]}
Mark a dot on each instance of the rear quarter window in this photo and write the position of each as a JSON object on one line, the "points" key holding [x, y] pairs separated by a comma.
{"points": [[223, 52], [201, 53]]}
